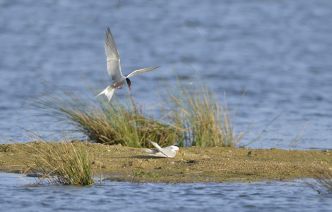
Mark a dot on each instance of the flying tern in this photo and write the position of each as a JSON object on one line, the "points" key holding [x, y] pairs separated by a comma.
{"points": [[165, 152], [114, 68]]}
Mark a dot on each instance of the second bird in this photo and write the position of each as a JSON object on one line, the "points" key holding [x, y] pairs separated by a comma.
{"points": [[114, 68]]}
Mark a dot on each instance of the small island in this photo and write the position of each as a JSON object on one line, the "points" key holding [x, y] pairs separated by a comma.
{"points": [[192, 164]]}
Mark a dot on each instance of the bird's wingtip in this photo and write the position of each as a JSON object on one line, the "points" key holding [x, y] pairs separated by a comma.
{"points": [[108, 32], [151, 142]]}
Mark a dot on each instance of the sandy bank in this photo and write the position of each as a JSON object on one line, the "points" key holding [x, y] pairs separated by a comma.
{"points": [[192, 164]]}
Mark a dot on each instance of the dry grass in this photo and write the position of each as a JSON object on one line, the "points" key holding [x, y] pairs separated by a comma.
{"points": [[204, 121], [196, 119], [63, 163], [112, 123]]}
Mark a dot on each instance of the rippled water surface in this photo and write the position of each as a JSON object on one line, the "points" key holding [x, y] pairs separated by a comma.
{"points": [[271, 61], [266, 59], [17, 194]]}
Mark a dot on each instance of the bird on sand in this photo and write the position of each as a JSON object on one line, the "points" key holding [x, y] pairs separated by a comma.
{"points": [[165, 152], [114, 68]]}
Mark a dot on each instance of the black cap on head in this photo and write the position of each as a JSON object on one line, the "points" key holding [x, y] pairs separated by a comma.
{"points": [[128, 82]]}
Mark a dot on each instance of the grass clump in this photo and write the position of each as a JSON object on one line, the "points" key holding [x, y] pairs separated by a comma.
{"points": [[63, 163], [112, 123], [196, 119], [204, 121]]}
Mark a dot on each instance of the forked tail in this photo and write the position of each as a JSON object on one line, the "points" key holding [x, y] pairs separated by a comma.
{"points": [[109, 91]]}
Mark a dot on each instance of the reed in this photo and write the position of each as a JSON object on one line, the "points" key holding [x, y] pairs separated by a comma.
{"points": [[63, 163], [195, 119], [112, 124], [204, 121]]}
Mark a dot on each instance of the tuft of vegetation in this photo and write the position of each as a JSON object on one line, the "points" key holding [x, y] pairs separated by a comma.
{"points": [[112, 123], [195, 119], [63, 163], [204, 121]]}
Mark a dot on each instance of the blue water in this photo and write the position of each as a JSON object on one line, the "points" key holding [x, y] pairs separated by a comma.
{"points": [[270, 61], [266, 59], [22, 195]]}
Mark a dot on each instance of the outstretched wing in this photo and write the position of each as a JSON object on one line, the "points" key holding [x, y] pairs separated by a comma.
{"points": [[167, 152], [112, 56], [156, 146], [142, 70]]}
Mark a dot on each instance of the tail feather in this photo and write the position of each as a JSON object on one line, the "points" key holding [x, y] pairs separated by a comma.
{"points": [[108, 92]]}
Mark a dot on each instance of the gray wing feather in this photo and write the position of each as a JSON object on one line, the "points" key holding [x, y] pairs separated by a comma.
{"points": [[151, 151], [166, 152], [142, 70], [112, 55], [169, 153]]}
